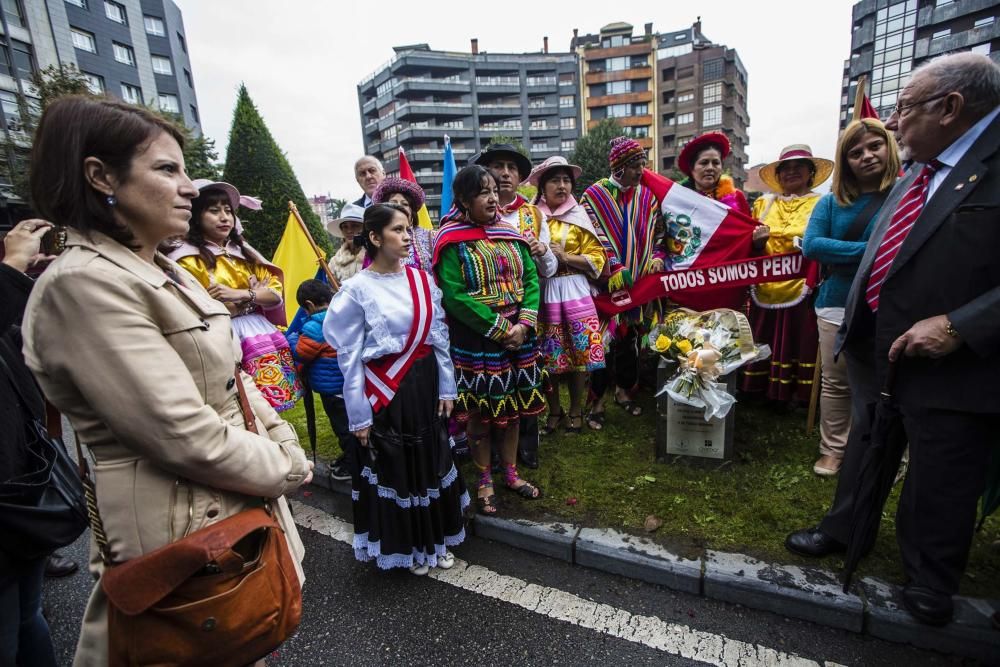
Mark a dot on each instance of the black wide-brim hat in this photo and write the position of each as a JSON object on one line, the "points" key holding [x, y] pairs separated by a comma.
{"points": [[494, 151]]}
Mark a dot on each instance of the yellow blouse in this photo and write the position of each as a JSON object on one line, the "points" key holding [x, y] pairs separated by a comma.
{"points": [[230, 271], [578, 241], [787, 218]]}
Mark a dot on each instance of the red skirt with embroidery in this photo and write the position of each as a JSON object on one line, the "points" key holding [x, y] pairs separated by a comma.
{"points": [[794, 339]]}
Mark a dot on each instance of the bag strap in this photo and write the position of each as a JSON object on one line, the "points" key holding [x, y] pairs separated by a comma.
{"points": [[861, 220], [249, 420]]}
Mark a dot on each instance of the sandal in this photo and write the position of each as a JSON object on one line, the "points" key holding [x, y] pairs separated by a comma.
{"points": [[630, 407], [573, 430], [595, 420], [549, 428], [526, 489], [487, 504]]}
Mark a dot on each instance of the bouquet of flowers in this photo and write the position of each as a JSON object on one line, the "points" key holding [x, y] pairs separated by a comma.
{"points": [[705, 346]]}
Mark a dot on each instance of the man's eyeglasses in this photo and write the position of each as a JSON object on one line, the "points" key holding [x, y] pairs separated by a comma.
{"points": [[899, 109]]}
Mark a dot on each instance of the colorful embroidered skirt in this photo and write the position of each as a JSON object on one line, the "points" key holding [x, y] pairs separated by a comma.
{"points": [[268, 360], [501, 385], [794, 339], [569, 329], [408, 496]]}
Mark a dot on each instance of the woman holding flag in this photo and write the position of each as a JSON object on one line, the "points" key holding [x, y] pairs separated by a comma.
{"points": [[388, 328], [250, 287]]}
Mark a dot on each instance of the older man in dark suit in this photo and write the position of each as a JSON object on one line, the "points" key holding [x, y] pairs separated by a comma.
{"points": [[369, 173], [927, 296]]}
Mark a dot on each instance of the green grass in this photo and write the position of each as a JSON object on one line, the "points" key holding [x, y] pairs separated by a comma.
{"points": [[747, 505]]}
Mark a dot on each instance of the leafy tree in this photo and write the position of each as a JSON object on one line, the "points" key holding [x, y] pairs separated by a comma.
{"points": [[257, 166], [516, 142], [591, 153]]}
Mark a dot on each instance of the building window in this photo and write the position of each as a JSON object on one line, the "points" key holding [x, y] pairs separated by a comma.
{"points": [[537, 125], [984, 23], [131, 94], [685, 118], [78, 3], [540, 146], [619, 87], [567, 123], [982, 49], [941, 34], [453, 124], [23, 64], [161, 65], [384, 88], [188, 79], [194, 113], [123, 53], [712, 69], [711, 116], [566, 77], [83, 40], [685, 97], [636, 131], [568, 145], [566, 101], [94, 83], [11, 111], [115, 12], [674, 51], [169, 103], [15, 16], [184, 46], [154, 26], [712, 93]]}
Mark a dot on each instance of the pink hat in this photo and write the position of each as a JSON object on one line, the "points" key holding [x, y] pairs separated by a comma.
{"points": [[393, 184], [623, 151], [550, 163]]}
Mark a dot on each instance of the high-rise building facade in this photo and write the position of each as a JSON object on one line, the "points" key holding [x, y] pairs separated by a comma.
{"points": [[891, 37], [135, 50], [422, 95]]}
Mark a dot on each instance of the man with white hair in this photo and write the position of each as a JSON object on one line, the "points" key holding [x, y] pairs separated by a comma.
{"points": [[926, 299], [369, 173]]}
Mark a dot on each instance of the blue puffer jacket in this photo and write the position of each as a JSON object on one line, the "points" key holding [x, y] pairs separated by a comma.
{"points": [[319, 359]]}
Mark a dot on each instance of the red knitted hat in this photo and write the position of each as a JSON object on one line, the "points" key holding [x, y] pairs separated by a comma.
{"points": [[623, 151]]}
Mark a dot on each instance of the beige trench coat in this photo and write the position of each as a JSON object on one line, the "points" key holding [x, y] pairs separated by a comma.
{"points": [[143, 369]]}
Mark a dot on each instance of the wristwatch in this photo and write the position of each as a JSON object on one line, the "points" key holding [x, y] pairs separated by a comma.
{"points": [[950, 329]]}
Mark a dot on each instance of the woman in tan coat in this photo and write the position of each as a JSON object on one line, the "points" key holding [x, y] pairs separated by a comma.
{"points": [[135, 352]]}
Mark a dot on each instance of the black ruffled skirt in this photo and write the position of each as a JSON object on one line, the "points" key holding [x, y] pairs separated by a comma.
{"points": [[408, 497]]}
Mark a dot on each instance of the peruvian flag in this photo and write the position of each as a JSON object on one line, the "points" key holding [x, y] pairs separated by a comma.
{"points": [[701, 233]]}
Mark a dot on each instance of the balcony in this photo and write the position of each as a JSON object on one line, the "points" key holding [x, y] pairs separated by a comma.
{"points": [[506, 110], [417, 154], [433, 109], [429, 85], [425, 178], [435, 132], [543, 109], [541, 84], [368, 106], [490, 81], [601, 76], [641, 97]]}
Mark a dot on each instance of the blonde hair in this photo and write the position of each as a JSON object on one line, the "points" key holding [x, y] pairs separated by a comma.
{"points": [[845, 184]]}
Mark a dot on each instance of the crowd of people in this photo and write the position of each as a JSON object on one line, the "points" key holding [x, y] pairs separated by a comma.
{"points": [[135, 331]]}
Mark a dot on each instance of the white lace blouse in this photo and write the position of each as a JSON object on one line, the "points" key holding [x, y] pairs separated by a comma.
{"points": [[369, 318]]}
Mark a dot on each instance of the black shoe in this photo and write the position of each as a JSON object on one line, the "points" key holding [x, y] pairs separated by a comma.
{"points": [[928, 606], [528, 459], [60, 566], [812, 542], [339, 471]]}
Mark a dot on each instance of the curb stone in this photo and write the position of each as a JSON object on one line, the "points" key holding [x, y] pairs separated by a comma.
{"points": [[807, 593]]}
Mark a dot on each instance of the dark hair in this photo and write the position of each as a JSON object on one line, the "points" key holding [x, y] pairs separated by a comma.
{"points": [[73, 128], [548, 176], [205, 200], [467, 184], [316, 291], [377, 218], [809, 165]]}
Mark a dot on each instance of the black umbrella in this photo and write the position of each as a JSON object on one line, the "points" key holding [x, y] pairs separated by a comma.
{"points": [[307, 402], [886, 444]]}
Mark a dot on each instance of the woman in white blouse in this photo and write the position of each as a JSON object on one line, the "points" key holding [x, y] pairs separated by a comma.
{"points": [[388, 328]]}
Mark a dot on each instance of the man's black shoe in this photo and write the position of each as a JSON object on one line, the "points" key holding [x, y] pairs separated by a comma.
{"points": [[60, 566], [339, 471], [928, 606], [812, 542], [528, 459]]}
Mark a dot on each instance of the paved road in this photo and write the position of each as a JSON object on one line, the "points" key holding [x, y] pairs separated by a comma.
{"points": [[503, 606]]}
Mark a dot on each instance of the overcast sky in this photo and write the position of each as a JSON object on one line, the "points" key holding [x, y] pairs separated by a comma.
{"points": [[301, 61]]}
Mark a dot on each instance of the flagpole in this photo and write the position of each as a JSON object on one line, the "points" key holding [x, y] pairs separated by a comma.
{"points": [[319, 255], [859, 97]]}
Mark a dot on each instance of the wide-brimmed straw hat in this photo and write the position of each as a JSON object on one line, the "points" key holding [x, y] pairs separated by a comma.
{"points": [[232, 194], [769, 172], [685, 161], [350, 213], [550, 163]]}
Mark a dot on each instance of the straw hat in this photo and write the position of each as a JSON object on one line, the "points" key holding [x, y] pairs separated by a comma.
{"points": [[769, 172], [350, 212], [550, 163]]}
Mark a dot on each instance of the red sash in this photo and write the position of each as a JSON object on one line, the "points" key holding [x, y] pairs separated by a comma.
{"points": [[384, 375]]}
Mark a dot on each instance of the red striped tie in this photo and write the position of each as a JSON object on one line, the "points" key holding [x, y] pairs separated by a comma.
{"points": [[903, 219]]}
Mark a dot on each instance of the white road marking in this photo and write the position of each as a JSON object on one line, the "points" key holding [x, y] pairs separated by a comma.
{"points": [[649, 631]]}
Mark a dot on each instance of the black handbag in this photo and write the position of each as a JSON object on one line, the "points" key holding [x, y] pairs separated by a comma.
{"points": [[43, 508]]}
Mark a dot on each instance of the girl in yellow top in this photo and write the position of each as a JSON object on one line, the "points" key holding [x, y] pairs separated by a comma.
{"points": [[233, 272], [569, 331], [781, 312]]}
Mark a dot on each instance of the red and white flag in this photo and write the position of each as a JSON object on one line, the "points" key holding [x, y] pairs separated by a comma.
{"points": [[702, 233]]}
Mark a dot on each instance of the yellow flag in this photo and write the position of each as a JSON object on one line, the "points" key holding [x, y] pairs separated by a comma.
{"points": [[424, 218], [295, 257]]}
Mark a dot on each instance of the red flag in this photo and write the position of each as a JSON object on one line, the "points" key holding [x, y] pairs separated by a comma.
{"points": [[406, 173], [867, 110], [702, 233]]}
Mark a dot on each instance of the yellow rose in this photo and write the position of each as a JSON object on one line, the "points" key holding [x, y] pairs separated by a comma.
{"points": [[684, 346], [661, 344]]}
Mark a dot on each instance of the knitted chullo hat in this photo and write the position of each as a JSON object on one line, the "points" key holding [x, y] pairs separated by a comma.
{"points": [[623, 151], [393, 184]]}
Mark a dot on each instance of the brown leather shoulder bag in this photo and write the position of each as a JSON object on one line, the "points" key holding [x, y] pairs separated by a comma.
{"points": [[227, 594]]}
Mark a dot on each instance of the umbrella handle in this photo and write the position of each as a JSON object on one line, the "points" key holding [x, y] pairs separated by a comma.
{"points": [[890, 379]]}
